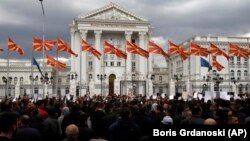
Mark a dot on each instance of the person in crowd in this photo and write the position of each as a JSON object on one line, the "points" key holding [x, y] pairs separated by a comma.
{"points": [[124, 129], [65, 111], [41, 109], [51, 129], [71, 133], [26, 133], [8, 125], [210, 121]]}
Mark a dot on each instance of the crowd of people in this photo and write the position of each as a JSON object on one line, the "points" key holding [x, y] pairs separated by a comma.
{"points": [[112, 118]]}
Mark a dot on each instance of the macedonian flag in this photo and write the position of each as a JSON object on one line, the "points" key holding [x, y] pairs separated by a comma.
{"points": [[63, 46], [154, 48], [12, 46], [214, 50], [38, 44], [86, 47], [110, 49], [196, 49]]}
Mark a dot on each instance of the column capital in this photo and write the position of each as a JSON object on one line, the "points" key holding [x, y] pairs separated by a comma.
{"points": [[128, 32], [98, 33], [83, 33], [142, 33], [72, 29]]}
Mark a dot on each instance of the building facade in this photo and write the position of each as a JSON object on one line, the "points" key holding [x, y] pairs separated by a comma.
{"points": [[25, 79], [190, 77], [115, 25]]}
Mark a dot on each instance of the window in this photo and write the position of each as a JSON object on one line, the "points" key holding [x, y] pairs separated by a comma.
{"points": [[106, 56], [118, 64], [160, 90], [15, 80], [21, 80], [133, 66], [106, 64], [239, 73], [245, 72], [231, 60], [77, 91], [67, 90], [232, 73], [245, 61], [112, 56], [59, 80], [90, 64], [133, 56], [160, 78], [90, 76], [111, 63], [36, 90], [238, 60], [58, 91], [214, 72]]}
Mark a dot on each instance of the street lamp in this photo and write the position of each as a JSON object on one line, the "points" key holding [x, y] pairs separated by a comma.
{"points": [[207, 79], [32, 79], [45, 80], [101, 77], [217, 81], [177, 78], [6, 81], [235, 81]]}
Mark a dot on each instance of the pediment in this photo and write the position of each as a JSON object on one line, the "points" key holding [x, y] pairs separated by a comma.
{"points": [[112, 12]]}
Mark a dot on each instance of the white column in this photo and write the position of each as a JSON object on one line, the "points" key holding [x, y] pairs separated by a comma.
{"points": [[84, 57], [128, 35], [150, 58], [72, 58], [142, 60], [17, 90], [97, 61]]}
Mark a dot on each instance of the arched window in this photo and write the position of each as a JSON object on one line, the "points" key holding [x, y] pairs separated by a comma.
{"points": [[67, 90], [239, 73], [15, 80], [35, 90], [245, 73], [232, 73], [21, 80]]}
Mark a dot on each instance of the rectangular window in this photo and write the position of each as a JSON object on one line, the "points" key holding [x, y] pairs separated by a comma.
{"points": [[111, 63], [118, 64], [106, 56], [112, 56], [106, 64], [238, 60], [133, 66], [133, 56], [231, 60], [90, 64]]}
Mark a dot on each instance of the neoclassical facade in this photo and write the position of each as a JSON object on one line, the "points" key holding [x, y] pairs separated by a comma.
{"points": [[234, 77], [114, 24], [25, 79]]}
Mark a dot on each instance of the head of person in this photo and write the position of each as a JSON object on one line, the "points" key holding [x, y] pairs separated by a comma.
{"points": [[167, 120], [125, 113], [8, 123], [24, 120], [210, 121], [72, 131]]}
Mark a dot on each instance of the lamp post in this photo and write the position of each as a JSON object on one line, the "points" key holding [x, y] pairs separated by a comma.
{"points": [[6, 81], [218, 79], [45, 80], [73, 88], [235, 81], [207, 79], [32, 79], [101, 77], [177, 78], [152, 78]]}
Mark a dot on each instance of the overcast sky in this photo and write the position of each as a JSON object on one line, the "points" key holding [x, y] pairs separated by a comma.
{"points": [[175, 20]]}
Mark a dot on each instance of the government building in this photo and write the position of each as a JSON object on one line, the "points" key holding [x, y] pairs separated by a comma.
{"points": [[86, 74]]}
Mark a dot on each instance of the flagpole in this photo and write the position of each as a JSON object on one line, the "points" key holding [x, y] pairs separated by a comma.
{"points": [[229, 75], [44, 51], [57, 53], [8, 68], [32, 73], [80, 75]]}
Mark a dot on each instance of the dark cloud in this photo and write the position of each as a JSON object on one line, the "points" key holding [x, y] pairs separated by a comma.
{"points": [[175, 20]]}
